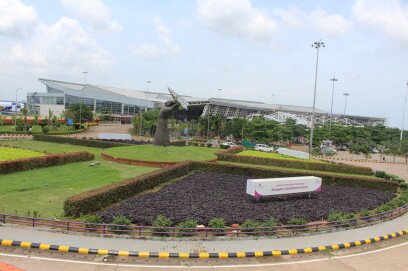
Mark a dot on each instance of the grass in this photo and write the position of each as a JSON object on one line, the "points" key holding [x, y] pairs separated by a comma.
{"points": [[7, 154], [274, 156], [163, 154], [44, 190]]}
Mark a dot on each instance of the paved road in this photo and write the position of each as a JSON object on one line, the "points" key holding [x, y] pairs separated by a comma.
{"points": [[234, 245], [388, 259]]}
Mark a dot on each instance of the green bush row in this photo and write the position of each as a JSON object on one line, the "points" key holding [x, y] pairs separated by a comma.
{"points": [[44, 161], [287, 163], [79, 141]]}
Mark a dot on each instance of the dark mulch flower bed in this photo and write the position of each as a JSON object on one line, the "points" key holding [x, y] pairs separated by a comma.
{"points": [[203, 196]]}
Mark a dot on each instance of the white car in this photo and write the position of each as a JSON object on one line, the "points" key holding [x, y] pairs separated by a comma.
{"points": [[263, 147], [229, 144]]}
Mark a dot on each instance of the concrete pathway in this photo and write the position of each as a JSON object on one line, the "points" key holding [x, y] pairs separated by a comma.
{"points": [[173, 245]]}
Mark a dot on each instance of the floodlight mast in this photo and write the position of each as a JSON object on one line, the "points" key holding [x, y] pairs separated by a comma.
{"points": [[403, 117], [316, 45], [332, 99]]}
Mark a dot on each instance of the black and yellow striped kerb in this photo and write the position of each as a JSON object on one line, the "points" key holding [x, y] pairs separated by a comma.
{"points": [[201, 255]]}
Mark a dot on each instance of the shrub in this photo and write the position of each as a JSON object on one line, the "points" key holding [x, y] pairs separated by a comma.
{"points": [[364, 214], [250, 225], [270, 225], [46, 129], [124, 225], [76, 141], [288, 163], [381, 174], [297, 223], [218, 223], [187, 227], [160, 224], [92, 219], [44, 161], [340, 217]]}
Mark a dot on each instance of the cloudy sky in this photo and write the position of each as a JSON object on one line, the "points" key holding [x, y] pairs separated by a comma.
{"points": [[251, 49]]}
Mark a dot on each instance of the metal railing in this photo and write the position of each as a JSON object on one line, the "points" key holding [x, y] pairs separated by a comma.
{"points": [[143, 231]]}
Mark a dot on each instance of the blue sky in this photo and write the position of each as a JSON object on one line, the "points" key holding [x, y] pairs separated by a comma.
{"points": [[250, 49]]}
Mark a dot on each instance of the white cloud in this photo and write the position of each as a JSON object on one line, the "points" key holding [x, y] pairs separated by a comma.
{"points": [[238, 18], [17, 19], [389, 17], [328, 24], [167, 45], [317, 20], [94, 12], [291, 17], [60, 47]]}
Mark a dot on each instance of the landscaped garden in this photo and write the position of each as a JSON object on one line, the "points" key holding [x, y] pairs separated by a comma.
{"points": [[154, 153], [7, 154], [203, 196], [44, 190], [37, 129]]}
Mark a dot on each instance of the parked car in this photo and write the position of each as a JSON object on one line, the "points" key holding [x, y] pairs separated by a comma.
{"points": [[228, 144], [328, 151], [263, 147]]}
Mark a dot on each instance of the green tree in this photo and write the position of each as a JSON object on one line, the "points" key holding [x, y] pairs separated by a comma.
{"points": [[80, 112]]}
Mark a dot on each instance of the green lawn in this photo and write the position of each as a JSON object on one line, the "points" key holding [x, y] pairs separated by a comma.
{"points": [[7, 154], [275, 156], [163, 154], [44, 190]]}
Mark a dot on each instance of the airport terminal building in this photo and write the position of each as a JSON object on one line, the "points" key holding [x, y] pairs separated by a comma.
{"points": [[125, 103]]}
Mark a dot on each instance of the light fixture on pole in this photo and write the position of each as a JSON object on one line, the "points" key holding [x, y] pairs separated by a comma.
{"points": [[219, 93], [148, 85], [403, 116], [85, 74], [334, 80], [346, 95], [317, 45]]}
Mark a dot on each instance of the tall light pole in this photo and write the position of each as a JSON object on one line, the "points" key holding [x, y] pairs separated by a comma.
{"points": [[334, 80], [403, 117], [219, 93], [17, 89], [85, 74], [317, 45], [273, 98], [148, 85], [346, 95]]}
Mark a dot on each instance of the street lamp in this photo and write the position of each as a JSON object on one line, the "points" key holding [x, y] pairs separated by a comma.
{"points": [[332, 99], [17, 89], [85, 74], [346, 95], [403, 117], [317, 46]]}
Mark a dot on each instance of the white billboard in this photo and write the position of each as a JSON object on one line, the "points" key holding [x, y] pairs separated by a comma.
{"points": [[283, 186], [114, 136], [293, 153]]}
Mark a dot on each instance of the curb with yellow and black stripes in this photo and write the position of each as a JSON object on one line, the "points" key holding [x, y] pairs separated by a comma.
{"points": [[200, 255]]}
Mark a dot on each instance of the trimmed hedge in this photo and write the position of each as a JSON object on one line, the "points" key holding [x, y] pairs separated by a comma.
{"points": [[44, 161], [79, 141], [97, 199], [310, 165]]}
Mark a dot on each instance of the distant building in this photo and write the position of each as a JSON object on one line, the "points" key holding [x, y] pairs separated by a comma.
{"points": [[125, 103]]}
